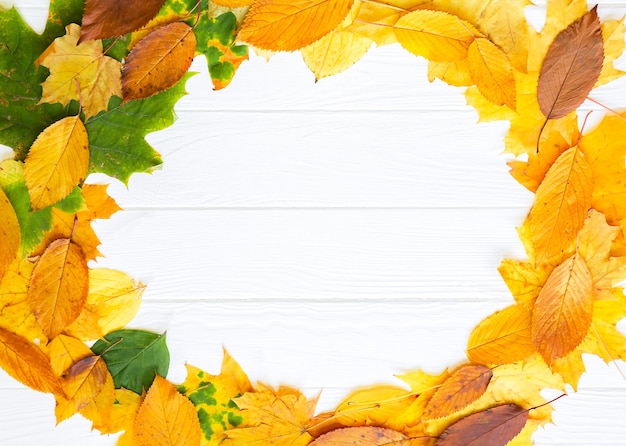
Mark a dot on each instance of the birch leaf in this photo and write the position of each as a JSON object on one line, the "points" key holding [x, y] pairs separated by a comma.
{"points": [[57, 162], [111, 18], [492, 72], [335, 52]]}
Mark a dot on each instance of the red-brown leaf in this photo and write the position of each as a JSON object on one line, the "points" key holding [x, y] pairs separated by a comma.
{"points": [[111, 18], [571, 67], [494, 427]]}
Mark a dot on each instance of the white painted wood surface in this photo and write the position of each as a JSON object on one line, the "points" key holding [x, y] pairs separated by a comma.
{"points": [[327, 234]]}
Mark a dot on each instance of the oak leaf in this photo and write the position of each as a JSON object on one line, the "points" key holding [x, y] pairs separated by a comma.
{"points": [[361, 436], [111, 18], [158, 61], [571, 67], [288, 25], [57, 162], [166, 418], [58, 286], [9, 234], [492, 72], [80, 71]]}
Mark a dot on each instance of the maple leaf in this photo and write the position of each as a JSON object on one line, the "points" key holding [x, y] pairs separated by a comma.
{"points": [[81, 72], [212, 394], [288, 25], [166, 418], [9, 234], [111, 18], [122, 416], [278, 417], [360, 436]]}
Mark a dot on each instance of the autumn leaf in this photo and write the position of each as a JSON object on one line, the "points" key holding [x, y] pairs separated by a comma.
{"points": [[571, 67], [212, 395], [492, 72], [25, 362], [435, 35], [134, 357], [158, 61], [613, 37], [563, 310], [166, 418], [9, 234], [335, 52], [57, 162], [495, 427], [58, 286], [288, 25], [465, 385], [122, 416], [360, 436], [66, 351], [234, 3], [111, 18], [278, 417], [81, 72]]}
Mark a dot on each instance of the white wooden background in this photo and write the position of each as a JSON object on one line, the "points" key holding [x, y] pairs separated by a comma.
{"points": [[327, 234]]}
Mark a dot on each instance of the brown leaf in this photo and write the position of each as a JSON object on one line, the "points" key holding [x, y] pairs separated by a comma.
{"points": [[111, 18], [571, 67], [59, 286], [563, 310], [360, 436], [288, 25], [9, 234], [158, 61], [464, 386], [493, 427]]}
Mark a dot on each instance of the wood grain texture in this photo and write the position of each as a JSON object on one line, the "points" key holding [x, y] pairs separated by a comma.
{"points": [[329, 235]]}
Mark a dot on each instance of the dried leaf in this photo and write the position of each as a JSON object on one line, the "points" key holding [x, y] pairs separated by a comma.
{"points": [[360, 436], [493, 427], [335, 52], [288, 25], [9, 234], [111, 18], [57, 162], [563, 310], [166, 418], [571, 67], [158, 61], [492, 72], [58, 287]]}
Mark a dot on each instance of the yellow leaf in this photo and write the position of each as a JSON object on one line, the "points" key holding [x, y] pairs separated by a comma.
{"points": [[560, 207], [158, 61], [504, 337], [26, 363], [98, 203], [613, 37], [288, 25], [605, 339], [9, 234], [335, 52], [58, 287], [375, 21], [57, 162], [122, 417], [66, 351], [166, 418], [80, 71], [492, 72], [233, 3], [456, 72], [100, 408], [113, 301], [524, 279], [563, 310], [435, 35]]}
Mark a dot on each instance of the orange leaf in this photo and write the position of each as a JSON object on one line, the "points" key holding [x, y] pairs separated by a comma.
{"points": [[111, 18], [166, 418], [233, 3], [464, 386], [360, 436], [571, 67], [26, 363], [288, 25], [57, 162], [563, 310], [493, 427], [492, 72], [66, 351], [158, 61], [561, 204], [9, 234], [58, 287]]}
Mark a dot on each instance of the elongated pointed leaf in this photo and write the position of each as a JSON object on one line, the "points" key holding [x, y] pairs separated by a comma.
{"points": [[111, 18], [9, 233]]}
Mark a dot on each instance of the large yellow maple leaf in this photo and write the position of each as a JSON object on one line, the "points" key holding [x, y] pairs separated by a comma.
{"points": [[80, 71]]}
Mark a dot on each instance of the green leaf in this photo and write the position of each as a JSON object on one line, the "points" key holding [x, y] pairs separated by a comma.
{"points": [[73, 203], [117, 141], [134, 357]]}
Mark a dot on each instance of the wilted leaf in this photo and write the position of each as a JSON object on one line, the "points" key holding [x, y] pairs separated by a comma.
{"points": [[111, 18], [493, 427], [166, 418], [571, 67], [57, 162], [360, 436], [58, 286], [27, 363], [464, 386], [80, 72], [435, 35], [563, 310], [134, 357], [335, 52], [288, 25], [492, 72], [9, 234]]}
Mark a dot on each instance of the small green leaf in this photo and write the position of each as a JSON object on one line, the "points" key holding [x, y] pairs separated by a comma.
{"points": [[73, 203], [134, 357]]}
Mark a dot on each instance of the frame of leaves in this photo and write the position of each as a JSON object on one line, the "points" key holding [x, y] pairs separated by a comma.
{"points": [[104, 65]]}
